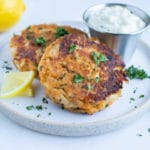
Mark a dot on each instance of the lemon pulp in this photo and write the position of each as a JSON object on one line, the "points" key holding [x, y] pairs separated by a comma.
{"points": [[27, 92]]}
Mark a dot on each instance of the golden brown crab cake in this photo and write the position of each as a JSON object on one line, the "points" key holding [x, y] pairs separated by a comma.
{"points": [[29, 47], [80, 74]]}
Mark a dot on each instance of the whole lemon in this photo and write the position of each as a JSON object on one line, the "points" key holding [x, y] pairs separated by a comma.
{"points": [[10, 13]]}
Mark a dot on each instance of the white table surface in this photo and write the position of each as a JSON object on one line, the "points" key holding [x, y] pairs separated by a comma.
{"points": [[15, 137]]}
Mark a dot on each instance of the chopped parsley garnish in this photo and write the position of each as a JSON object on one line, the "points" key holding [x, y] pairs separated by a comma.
{"points": [[136, 73], [141, 96], [132, 99], [6, 62], [40, 41], [134, 91], [38, 115], [60, 32], [39, 107], [148, 130], [72, 48], [95, 55], [44, 100], [49, 113], [62, 106], [6, 67], [139, 135], [97, 79], [106, 105], [45, 107], [78, 78], [99, 58], [30, 107], [103, 58]]}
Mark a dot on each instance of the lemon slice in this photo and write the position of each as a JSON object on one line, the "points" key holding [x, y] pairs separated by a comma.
{"points": [[15, 83]]}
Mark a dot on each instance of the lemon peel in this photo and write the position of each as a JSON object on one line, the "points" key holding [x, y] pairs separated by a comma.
{"points": [[10, 13]]}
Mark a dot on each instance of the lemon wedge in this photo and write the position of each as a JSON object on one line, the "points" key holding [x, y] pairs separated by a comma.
{"points": [[27, 92], [17, 83]]}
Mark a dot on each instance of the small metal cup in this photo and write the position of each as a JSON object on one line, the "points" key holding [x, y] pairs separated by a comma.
{"points": [[123, 44]]}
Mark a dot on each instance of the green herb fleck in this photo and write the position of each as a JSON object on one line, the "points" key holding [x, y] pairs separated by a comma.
{"points": [[40, 41], [38, 115], [39, 107], [141, 96], [49, 113], [62, 106], [95, 57], [135, 106], [106, 105], [44, 100], [45, 107], [8, 68], [60, 32], [103, 58], [148, 130], [132, 99], [30, 107], [136, 73], [78, 78], [139, 134], [100, 58], [72, 48], [6, 62], [97, 79]]}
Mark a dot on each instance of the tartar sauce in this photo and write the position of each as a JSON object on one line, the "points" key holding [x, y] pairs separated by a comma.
{"points": [[116, 19]]}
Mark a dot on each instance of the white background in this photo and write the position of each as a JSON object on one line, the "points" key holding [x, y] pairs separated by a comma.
{"points": [[15, 137]]}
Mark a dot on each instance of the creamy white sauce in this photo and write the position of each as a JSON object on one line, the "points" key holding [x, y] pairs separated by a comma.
{"points": [[116, 19]]}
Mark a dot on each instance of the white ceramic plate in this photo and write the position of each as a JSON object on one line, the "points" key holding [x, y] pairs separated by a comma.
{"points": [[65, 123]]}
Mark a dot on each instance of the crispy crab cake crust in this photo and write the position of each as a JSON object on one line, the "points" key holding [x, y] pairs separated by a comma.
{"points": [[26, 52], [58, 68]]}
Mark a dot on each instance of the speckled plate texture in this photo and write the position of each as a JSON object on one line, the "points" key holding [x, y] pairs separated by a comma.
{"points": [[54, 120]]}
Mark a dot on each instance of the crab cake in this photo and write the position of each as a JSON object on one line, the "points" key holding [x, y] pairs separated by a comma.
{"points": [[29, 47], [80, 74]]}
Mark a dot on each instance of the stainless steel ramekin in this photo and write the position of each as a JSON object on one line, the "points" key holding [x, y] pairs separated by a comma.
{"points": [[123, 44]]}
